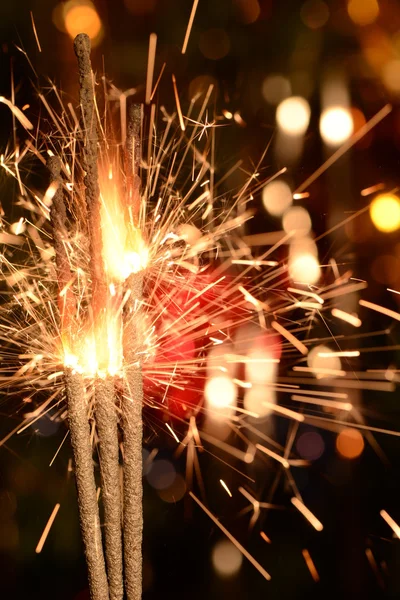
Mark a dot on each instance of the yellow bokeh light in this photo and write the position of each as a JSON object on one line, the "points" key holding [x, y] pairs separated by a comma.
{"points": [[350, 443], [226, 559], [293, 115], [363, 12], [385, 212], [80, 16], [277, 197], [336, 125]]}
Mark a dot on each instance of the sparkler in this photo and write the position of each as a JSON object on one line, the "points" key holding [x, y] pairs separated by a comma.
{"points": [[141, 317]]}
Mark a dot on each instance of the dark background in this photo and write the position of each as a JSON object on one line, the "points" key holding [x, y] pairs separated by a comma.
{"points": [[347, 495]]}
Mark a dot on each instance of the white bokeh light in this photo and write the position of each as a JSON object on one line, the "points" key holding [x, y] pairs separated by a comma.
{"points": [[226, 558], [277, 197], [297, 221], [220, 392], [336, 125], [293, 115]]}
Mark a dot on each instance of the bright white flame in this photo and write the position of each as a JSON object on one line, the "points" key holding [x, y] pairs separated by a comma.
{"points": [[293, 115], [336, 125], [277, 197]]}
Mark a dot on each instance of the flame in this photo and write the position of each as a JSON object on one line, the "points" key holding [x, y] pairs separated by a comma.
{"points": [[124, 249], [92, 359]]}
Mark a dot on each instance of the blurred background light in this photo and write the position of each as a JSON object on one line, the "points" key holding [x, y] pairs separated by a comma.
{"points": [[275, 88], [220, 392], [323, 366], [310, 445], [314, 13], [350, 443], [175, 491], [297, 221], [293, 115], [161, 474], [80, 16], [277, 197], [391, 75], [363, 12], [304, 268], [214, 43], [226, 559], [248, 10], [336, 125], [141, 7], [385, 212], [256, 397]]}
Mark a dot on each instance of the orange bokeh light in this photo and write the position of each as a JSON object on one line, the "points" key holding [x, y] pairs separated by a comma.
{"points": [[350, 443]]}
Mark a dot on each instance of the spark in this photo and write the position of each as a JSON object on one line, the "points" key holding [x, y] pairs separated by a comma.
{"points": [[190, 24], [360, 133], [35, 32], [17, 112], [391, 522], [310, 564], [150, 66], [228, 491], [381, 309], [290, 337], [312, 519], [46, 530], [172, 432], [273, 455], [178, 104], [232, 539], [265, 537], [344, 316]]}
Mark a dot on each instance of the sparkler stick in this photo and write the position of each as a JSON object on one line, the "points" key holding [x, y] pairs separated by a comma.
{"points": [[105, 410], [77, 406], [133, 395]]}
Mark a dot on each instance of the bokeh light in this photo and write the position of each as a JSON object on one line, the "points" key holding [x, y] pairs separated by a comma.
{"points": [[385, 212], [350, 443], [161, 474], [293, 115], [297, 221], [275, 88], [391, 75], [79, 16], [226, 559], [336, 125], [141, 7], [323, 366], [258, 400], [363, 12], [214, 43], [277, 197], [248, 10], [304, 268], [314, 13], [310, 445], [175, 491], [220, 392]]}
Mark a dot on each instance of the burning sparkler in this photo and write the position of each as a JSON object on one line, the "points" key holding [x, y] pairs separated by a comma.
{"points": [[134, 313]]}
